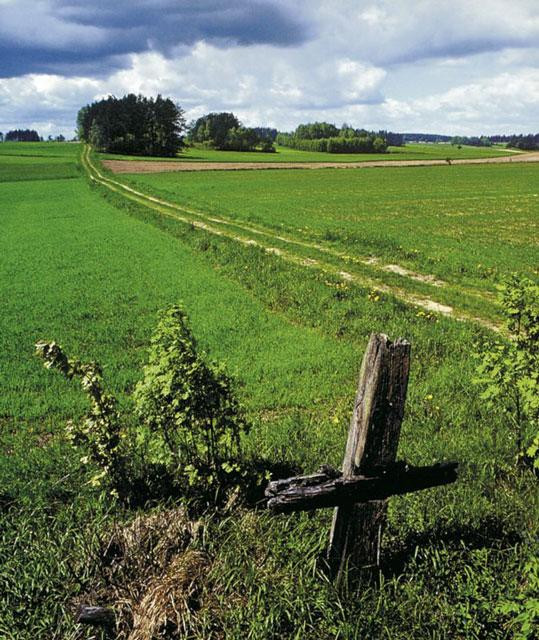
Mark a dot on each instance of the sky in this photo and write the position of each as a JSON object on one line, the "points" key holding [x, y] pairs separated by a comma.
{"points": [[455, 67]]}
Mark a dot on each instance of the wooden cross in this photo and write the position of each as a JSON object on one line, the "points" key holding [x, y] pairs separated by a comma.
{"points": [[369, 474]]}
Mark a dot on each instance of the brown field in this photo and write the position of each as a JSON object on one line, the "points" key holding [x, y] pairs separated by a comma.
{"points": [[140, 166]]}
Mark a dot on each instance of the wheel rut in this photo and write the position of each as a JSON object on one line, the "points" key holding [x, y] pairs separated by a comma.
{"points": [[266, 239]]}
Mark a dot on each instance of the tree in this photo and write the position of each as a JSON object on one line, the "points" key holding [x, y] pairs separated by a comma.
{"points": [[22, 135], [213, 128], [133, 124], [225, 132]]}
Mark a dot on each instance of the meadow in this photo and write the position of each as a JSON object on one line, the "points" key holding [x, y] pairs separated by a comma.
{"points": [[448, 233], [86, 266], [284, 154]]}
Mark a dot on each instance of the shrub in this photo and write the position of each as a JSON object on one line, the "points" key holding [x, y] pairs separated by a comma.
{"points": [[523, 608], [189, 420], [99, 433], [509, 369], [189, 404]]}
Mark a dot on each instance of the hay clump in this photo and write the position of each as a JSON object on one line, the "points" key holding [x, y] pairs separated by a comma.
{"points": [[148, 575], [170, 598]]}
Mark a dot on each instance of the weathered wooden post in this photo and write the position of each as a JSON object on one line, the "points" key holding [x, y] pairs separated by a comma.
{"points": [[370, 474], [372, 444]]}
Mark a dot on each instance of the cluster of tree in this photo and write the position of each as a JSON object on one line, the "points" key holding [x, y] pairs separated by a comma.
{"points": [[22, 135], [392, 139], [266, 133], [133, 124], [326, 137], [225, 132], [425, 137], [58, 138], [529, 142], [472, 141]]}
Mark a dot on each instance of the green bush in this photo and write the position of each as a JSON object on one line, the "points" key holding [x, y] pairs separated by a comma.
{"points": [[508, 370], [99, 434], [189, 404], [523, 608], [189, 421], [367, 143]]}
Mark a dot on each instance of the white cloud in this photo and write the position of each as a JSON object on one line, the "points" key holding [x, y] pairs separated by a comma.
{"points": [[399, 64], [502, 103]]}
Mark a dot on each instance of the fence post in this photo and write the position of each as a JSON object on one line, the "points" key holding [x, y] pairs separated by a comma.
{"points": [[373, 440]]}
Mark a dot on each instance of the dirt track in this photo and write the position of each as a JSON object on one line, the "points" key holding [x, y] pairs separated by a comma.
{"points": [[142, 166]]}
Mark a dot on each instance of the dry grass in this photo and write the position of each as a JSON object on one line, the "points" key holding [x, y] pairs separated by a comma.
{"points": [[170, 597], [149, 576]]}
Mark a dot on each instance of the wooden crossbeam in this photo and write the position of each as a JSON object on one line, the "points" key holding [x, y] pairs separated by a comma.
{"points": [[373, 439], [370, 475], [322, 490]]}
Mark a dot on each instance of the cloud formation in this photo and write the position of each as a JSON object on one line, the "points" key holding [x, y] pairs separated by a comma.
{"points": [[449, 66], [70, 37]]}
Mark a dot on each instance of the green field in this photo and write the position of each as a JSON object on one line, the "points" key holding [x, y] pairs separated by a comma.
{"points": [[465, 228], [88, 267], [284, 154], [37, 161]]}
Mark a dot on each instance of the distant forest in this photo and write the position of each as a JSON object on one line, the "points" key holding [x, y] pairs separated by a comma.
{"points": [[22, 135], [138, 125], [326, 137], [529, 142]]}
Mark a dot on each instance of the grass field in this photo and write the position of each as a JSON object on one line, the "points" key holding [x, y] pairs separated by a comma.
{"points": [[85, 266], [409, 234], [284, 154], [37, 161]]}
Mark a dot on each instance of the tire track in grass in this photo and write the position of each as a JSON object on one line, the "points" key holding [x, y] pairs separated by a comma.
{"points": [[372, 263], [237, 232]]}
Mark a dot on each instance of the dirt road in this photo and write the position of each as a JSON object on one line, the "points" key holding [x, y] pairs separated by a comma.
{"points": [[142, 166]]}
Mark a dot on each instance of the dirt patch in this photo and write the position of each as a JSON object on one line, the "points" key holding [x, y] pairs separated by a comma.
{"points": [[401, 271], [141, 166]]}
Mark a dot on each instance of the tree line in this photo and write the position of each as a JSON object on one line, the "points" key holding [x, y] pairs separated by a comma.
{"points": [[472, 141], [528, 142], [21, 135], [225, 132], [133, 125], [326, 137]]}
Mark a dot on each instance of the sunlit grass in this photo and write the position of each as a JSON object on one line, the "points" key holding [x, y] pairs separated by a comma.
{"points": [[88, 269]]}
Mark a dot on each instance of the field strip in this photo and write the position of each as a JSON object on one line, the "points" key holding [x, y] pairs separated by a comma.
{"points": [[372, 263], [207, 223], [141, 166]]}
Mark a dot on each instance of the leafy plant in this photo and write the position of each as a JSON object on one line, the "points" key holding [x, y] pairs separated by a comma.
{"points": [[189, 404], [524, 607], [509, 369], [190, 421], [99, 433]]}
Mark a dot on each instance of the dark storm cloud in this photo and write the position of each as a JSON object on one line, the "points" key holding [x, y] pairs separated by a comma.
{"points": [[69, 37]]}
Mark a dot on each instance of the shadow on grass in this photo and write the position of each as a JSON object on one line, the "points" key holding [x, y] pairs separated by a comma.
{"points": [[489, 533], [155, 485]]}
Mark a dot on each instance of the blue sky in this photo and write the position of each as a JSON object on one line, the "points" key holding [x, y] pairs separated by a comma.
{"points": [[446, 66]]}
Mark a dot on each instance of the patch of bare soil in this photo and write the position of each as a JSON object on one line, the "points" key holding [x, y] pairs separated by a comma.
{"points": [[141, 166], [401, 271]]}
